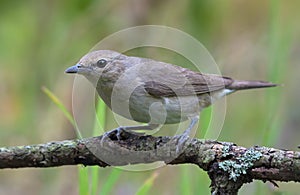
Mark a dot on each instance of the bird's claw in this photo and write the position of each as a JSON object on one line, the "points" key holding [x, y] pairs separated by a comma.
{"points": [[107, 135], [118, 134], [119, 131], [181, 142]]}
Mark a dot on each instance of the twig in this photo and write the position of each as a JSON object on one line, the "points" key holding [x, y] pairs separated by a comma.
{"points": [[228, 166]]}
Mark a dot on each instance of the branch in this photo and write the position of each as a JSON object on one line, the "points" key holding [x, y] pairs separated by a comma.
{"points": [[228, 166]]}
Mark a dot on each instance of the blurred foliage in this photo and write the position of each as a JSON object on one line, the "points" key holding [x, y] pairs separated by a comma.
{"points": [[248, 39]]}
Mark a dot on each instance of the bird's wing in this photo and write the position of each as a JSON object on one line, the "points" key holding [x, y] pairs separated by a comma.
{"points": [[184, 82]]}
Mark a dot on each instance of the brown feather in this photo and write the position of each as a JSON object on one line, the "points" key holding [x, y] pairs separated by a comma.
{"points": [[195, 84]]}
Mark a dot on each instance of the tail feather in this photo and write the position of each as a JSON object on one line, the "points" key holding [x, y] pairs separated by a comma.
{"points": [[240, 85]]}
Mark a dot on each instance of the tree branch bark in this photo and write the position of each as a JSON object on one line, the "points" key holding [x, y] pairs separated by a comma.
{"points": [[229, 166]]}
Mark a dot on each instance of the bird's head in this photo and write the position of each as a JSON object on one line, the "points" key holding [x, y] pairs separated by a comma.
{"points": [[94, 63]]}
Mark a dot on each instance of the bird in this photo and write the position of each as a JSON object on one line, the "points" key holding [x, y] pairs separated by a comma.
{"points": [[153, 92]]}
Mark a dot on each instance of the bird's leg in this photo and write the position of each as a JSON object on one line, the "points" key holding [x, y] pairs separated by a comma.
{"points": [[183, 138]]}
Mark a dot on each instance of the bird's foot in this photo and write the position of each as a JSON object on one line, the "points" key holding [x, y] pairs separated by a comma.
{"points": [[118, 134], [111, 135], [119, 131], [182, 140], [124, 130], [114, 134]]}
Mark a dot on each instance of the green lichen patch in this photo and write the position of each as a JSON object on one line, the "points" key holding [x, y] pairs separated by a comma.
{"points": [[226, 151], [241, 164]]}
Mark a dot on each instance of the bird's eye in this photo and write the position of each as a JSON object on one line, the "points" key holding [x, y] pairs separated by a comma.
{"points": [[101, 63]]}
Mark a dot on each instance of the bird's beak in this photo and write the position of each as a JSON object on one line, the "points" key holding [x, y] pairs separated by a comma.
{"points": [[73, 69]]}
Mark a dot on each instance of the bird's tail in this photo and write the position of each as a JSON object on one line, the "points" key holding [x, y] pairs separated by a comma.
{"points": [[240, 85]]}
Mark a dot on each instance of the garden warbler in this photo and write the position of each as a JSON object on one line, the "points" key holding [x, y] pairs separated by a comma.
{"points": [[154, 92]]}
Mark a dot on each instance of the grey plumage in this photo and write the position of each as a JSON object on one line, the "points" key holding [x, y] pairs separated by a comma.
{"points": [[155, 92]]}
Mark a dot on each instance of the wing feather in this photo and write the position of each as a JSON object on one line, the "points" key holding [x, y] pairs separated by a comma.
{"points": [[185, 82]]}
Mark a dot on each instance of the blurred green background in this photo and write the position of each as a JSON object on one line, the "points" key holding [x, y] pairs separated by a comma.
{"points": [[248, 39]]}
